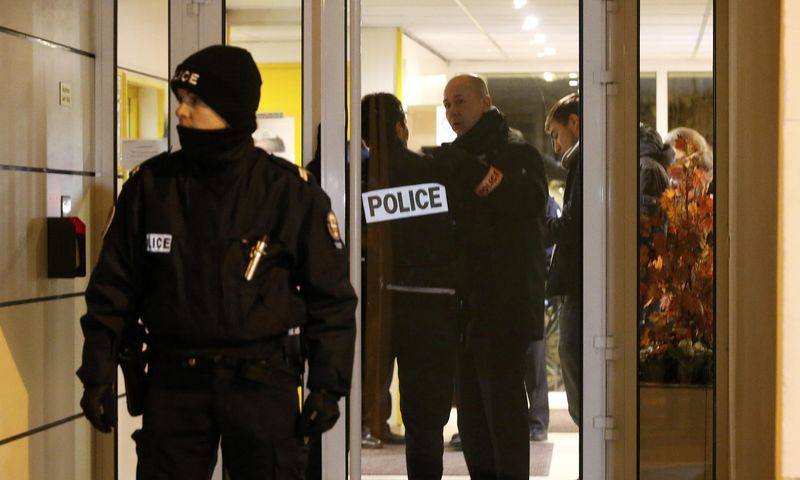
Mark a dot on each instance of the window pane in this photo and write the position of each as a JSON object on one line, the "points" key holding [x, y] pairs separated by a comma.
{"points": [[440, 289], [676, 324]]}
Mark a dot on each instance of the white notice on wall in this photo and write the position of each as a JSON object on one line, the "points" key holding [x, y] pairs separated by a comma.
{"points": [[134, 152], [403, 202]]}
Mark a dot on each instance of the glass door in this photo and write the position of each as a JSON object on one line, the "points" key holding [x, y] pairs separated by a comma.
{"points": [[452, 250], [462, 347], [677, 347], [447, 243]]}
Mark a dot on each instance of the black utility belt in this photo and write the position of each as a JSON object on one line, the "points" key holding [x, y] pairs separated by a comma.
{"points": [[257, 370], [208, 362]]}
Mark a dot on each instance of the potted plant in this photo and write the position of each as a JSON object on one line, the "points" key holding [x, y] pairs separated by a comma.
{"points": [[676, 271]]}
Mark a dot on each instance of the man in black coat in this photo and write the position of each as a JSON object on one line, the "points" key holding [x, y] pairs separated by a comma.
{"points": [[566, 267], [504, 304], [223, 252]]}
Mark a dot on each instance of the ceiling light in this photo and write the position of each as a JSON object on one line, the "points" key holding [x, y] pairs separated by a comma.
{"points": [[530, 23], [538, 38], [549, 51], [573, 83], [548, 76], [573, 75], [520, 3]]}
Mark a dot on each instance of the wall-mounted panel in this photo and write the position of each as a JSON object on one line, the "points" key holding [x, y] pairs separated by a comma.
{"points": [[47, 120], [27, 199], [68, 22]]}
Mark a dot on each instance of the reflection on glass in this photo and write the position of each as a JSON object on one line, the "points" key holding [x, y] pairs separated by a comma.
{"points": [[647, 98], [142, 121], [676, 246], [691, 102], [273, 34]]}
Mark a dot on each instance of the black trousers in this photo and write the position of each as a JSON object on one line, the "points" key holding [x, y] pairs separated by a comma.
{"points": [[492, 406], [426, 335], [536, 384], [189, 411]]}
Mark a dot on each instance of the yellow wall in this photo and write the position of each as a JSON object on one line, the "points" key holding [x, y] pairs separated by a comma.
{"points": [[282, 91], [14, 401], [130, 112]]}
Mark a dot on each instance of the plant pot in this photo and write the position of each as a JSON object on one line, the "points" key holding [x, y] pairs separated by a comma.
{"points": [[653, 369]]}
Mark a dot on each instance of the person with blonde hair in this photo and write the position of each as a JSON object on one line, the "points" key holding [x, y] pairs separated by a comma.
{"points": [[690, 145]]}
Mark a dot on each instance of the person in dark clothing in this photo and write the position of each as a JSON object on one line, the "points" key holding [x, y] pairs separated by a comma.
{"points": [[422, 276], [504, 294], [655, 157], [223, 252], [537, 390], [566, 267], [536, 361]]}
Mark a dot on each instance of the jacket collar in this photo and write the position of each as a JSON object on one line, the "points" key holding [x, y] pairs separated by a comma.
{"points": [[571, 156], [485, 135], [209, 152]]}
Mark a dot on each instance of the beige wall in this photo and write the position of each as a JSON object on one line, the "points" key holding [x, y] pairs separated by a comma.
{"points": [[378, 60], [39, 334], [143, 33], [752, 200], [790, 232], [424, 75]]}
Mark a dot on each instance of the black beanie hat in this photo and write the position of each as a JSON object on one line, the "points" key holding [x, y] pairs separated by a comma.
{"points": [[226, 79]]}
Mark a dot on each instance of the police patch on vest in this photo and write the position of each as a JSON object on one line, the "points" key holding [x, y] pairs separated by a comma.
{"points": [[159, 242], [403, 202], [491, 181], [333, 230]]}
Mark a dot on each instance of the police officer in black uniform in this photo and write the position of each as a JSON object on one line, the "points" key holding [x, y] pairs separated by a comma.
{"points": [[224, 252], [504, 304], [423, 278]]}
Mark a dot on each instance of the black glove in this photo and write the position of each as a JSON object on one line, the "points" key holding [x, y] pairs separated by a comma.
{"points": [[99, 404], [320, 412]]}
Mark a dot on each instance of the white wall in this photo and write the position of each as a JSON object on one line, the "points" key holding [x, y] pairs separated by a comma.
{"points": [[142, 36], [789, 253], [274, 52], [378, 60], [424, 74]]}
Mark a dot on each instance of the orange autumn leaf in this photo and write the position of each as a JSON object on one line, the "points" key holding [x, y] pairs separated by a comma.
{"points": [[676, 258]]}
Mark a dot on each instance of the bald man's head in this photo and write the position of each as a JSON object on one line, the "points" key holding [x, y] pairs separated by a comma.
{"points": [[466, 99]]}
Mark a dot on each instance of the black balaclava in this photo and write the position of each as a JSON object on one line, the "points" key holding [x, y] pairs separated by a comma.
{"points": [[227, 80]]}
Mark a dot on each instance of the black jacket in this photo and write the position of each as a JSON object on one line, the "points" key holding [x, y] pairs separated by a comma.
{"points": [[566, 266], [192, 295], [505, 249], [654, 159], [427, 250]]}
